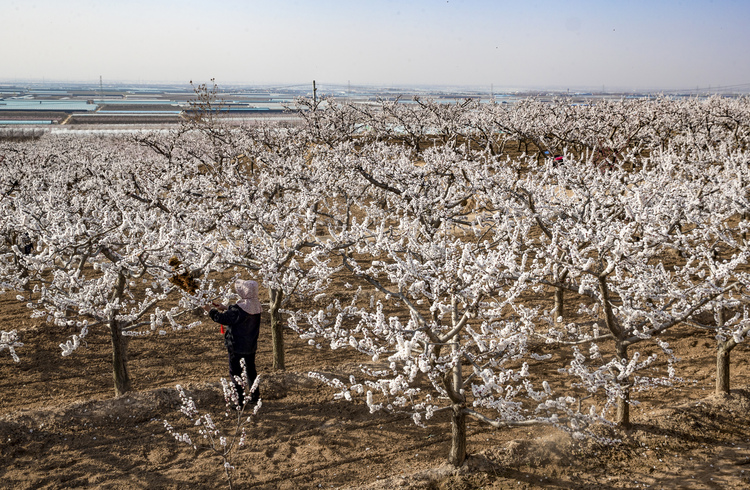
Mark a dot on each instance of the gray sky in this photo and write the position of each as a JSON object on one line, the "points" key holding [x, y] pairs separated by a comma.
{"points": [[620, 44]]}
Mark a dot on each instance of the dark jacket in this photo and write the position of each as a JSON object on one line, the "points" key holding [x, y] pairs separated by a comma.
{"points": [[241, 332]]}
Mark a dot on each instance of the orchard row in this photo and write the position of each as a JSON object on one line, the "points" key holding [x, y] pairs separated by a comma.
{"points": [[466, 234]]}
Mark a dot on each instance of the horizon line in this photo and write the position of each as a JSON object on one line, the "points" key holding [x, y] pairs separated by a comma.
{"points": [[477, 87]]}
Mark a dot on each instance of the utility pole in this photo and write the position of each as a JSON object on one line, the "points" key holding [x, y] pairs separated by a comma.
{"points": [[315, 97], [101, 88]]}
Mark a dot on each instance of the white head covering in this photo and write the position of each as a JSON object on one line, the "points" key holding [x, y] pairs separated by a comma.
{"points": [[248, 291]]}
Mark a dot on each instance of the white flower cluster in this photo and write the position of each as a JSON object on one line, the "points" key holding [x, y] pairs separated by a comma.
{"points": [[9, 340]]}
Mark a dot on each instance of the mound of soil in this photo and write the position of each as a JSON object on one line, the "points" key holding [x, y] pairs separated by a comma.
{"points": [[61, 427]]}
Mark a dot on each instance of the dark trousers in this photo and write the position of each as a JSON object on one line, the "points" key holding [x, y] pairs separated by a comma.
{"points": [[236, 370]]}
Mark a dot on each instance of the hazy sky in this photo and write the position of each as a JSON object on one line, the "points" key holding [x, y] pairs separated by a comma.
{"points": [[628, 44]]}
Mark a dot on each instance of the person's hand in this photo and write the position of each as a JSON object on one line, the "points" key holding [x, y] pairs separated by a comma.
{"points": [[216, 306]]}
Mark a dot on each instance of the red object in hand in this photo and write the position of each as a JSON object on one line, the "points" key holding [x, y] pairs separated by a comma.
{"points": [[222, 328]]}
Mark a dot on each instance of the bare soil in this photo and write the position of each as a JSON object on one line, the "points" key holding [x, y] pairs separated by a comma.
{"points": [[61, 427]]}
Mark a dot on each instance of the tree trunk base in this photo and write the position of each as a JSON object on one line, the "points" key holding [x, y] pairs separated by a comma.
{"points": [[457, 454]]}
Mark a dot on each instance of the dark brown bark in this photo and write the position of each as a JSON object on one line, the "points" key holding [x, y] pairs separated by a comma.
{"points": [[560, 298], [609, 317], [623, 404], [622, 417], [458, 417], [458, 436], [120, 372], [277, 331], [723, 356]]}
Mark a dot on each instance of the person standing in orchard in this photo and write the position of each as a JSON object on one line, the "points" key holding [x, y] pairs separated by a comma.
{"points": [[240, 325]]}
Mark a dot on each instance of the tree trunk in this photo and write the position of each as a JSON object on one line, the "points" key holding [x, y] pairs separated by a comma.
{"points": [[119, 343], [277, 332], [723, 353], [458, 417], [623, 404], [560, 298], [559, 304], [458, 436], [609, 316], [119, 359], [622, 418]]}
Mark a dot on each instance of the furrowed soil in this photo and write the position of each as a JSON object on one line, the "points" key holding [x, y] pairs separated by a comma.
{"points": [[62, 427]]}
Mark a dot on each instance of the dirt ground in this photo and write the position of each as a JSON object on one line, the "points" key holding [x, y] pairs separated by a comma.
{"points": [[61, 427]]}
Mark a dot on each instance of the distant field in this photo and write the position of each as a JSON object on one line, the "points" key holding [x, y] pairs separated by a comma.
{"points": [[139, 107], [56, 117], [124, 119]]}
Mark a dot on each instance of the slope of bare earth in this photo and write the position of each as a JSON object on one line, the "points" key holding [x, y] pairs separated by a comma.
{"points": [[60, 426]]}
